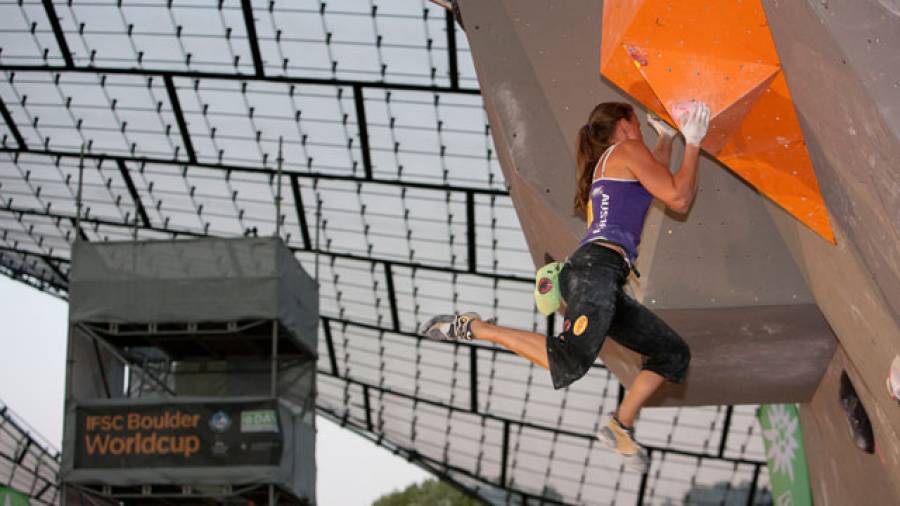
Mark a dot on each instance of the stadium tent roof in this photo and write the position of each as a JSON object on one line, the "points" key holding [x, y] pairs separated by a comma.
{"points": [[28, 463], [392, 195]]}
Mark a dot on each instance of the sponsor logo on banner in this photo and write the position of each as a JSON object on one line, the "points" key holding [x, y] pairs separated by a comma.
{"points": [[177, 434], [220, 422], [259, 420]]}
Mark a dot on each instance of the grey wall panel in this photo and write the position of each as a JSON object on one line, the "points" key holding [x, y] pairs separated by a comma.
{"points": [[740, 355], [867, 32], [861, 319], [840, 473], [725, 252], [854, 151]]}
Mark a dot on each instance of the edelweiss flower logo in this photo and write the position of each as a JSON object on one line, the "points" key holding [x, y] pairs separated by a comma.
{"points": [[782, 443]]}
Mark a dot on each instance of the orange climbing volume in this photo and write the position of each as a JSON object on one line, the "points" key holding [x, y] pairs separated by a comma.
{"points": [[666, 52]]}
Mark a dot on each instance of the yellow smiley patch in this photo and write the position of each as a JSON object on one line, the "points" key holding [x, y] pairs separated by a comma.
{"points": [[580, 325]]}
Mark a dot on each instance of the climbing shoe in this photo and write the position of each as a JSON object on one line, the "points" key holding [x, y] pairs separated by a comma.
{"points": [[449, 327], [621, 439]]}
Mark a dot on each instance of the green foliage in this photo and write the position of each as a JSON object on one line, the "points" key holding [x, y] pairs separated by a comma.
{"points": [[428, 493]]}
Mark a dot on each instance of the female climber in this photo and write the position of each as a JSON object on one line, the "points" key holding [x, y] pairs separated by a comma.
{"points": [[617, 179]]}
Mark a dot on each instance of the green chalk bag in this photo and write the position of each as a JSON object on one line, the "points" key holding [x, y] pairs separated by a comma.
{"points": [[546, 288]]}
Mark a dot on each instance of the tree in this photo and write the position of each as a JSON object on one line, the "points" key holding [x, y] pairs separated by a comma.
{"points": [[430, 492]]}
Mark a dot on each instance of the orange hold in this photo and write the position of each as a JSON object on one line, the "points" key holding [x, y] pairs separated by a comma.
{"points": [[665, 53]]}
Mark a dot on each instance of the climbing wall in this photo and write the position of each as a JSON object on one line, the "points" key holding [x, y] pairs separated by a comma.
{"points": [[772, 308], [723, 278], [841, 63]]}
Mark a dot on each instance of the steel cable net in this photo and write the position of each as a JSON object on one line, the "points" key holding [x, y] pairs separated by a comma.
{"points": [[391, 192]]}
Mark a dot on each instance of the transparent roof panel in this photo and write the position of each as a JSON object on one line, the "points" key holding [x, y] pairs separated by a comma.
{"points": [[202, 36], [391, 195], [434, 138], [26, 36], [401, 41], [110, 114], [240, 123]]}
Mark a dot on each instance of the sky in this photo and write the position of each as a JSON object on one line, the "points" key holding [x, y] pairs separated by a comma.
{"points": [[32, 372]]}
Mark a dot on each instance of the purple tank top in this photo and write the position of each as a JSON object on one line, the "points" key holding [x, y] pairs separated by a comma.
{"points": [[616, 210]]}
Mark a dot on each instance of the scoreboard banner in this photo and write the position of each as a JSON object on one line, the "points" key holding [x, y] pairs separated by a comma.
{"points": [[195, 434]]}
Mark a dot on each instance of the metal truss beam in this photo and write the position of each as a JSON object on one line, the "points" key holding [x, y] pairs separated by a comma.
{"points": [[119, 354], [43, 491], [329, 343], [347, 256], [751, 497], [99, 358], [451, 49], [82, 235], [368, 407], [179, 118], [363, 127], [138, 205], [55, 268], [642, 488], [21, 456], [473, 378], [239, 77], [50, 260], [27, 253], [31, 279], [261, 170], [504, 454], [301, 212], [11, 125], [470, 232], [531, 425], [725, 429], [392, 296], [251, 37], [58, 33]]}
